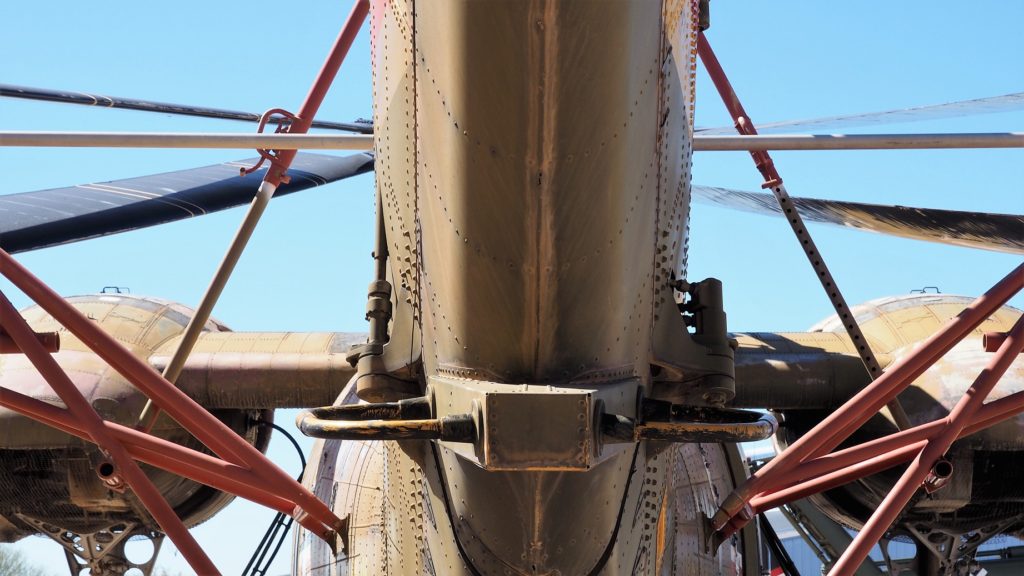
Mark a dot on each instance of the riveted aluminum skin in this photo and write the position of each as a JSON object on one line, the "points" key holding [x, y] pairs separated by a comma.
{"points": [[533, 160]]}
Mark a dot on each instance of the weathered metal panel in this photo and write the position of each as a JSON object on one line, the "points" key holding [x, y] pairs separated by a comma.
{"points": [[541, 215], [536, 216]]}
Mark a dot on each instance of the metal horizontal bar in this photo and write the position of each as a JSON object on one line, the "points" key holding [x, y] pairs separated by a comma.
{"points": [[361, 142], [857, 141], [365, 141], [101, 101]]}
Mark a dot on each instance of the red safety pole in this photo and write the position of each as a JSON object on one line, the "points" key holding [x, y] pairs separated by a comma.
{"points": [[919, 469], [171, 457], [860, 469], [772, 179], [315, 97], [206, 428], [155, 451], [988, 415], [838, 425], [125, 466]]}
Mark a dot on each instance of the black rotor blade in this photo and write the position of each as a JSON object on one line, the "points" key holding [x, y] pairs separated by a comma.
{"points": [[67, 97], [31, 220], [997, 232], [991, 105]]}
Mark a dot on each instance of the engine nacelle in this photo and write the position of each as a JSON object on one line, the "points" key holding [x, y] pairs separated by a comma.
{"points": [[808, 375], [48, 479]]}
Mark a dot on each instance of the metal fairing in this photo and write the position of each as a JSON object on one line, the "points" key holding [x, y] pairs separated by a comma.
{"points": [[401, 520], [507, 232], [830, 371]]}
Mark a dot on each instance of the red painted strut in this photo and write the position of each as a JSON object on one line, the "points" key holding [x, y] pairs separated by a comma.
{"points": [[303, 120], [79, 408], [244, 471], [933, 450], [806, 467], [241, 469]]}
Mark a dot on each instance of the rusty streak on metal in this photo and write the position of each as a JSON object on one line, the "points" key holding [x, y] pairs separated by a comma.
{"points": [[661, 420], [403, 420]]}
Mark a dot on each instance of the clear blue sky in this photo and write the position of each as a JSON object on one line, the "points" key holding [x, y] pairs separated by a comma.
{"points": [[308, 264]]}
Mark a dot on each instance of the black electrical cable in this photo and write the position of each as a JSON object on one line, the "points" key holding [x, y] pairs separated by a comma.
{"points": [[782, 557], [259, 563]]}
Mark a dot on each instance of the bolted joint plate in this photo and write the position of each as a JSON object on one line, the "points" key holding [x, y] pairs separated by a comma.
{"points": [[534, 426]]}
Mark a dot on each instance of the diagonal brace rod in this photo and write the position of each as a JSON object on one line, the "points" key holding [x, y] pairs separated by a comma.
{"points": [[169, 456], [838, 468], [765, 165], [274, 178], [126, 467], [203, 425], [910, 482], [838, 425]]}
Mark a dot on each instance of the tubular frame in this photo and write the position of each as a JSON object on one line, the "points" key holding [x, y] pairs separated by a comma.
{"points": [[241, 468]]}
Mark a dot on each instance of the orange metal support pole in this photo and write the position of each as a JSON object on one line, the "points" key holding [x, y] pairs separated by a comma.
{"points": [[91, 422], [210, 431], [318, 91], [773, 180], [832, 470], [171, 457], [911, 481], [931, 350], [988, 415], [155, 451], [860, 469], [838, 425]]}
